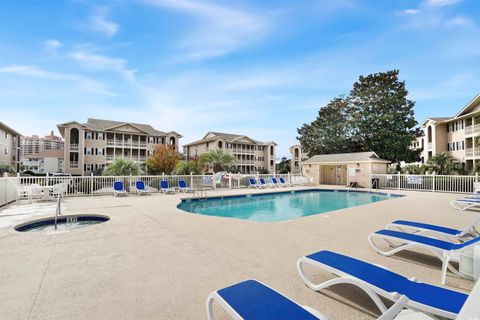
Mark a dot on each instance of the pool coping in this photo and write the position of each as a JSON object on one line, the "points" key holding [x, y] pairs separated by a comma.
{"points": [[18, 227], [248, 195]]}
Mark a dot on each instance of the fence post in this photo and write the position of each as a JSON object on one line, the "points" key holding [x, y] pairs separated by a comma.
{"points": [[476, 176], [433, 182], [91, 183], [214, 183], [398, 180], [289, 179], [238, 180], [191, 179], [229, 180]]}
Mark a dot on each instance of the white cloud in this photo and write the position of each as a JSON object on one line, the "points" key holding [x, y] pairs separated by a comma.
{"points": [[102, 62], [221, 29], [412, 11], [441, 3], [459, 22], [81, 82], [99, 22], [52, 45]]}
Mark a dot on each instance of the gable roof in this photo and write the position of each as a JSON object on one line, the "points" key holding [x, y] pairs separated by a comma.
{"points": [[471, 105], [10, 130], [230, 137], [102, 125], [368, 156]]}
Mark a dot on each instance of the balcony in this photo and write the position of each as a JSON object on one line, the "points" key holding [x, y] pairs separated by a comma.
{"points": [[243, 151], [126, 143], [73, 164], [472, 130], [472, 152], [111, 158], [74, 147]]}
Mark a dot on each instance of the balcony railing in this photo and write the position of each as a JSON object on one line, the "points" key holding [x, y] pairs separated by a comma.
{"points": [[74, 147], [471, 152], [133, 158], [472, 130], [73, 164], [126, 143]]}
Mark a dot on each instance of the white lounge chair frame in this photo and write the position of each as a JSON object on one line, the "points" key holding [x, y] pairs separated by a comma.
{"points": [[372, 291], [446, 256], [468, 231], [388, 314], [464, 204]]}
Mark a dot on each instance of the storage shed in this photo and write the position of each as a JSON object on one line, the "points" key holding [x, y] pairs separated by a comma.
{"points": [[344, 168]]}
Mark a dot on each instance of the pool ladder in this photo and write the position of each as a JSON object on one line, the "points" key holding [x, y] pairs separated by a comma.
{"points": [[200, 194]]}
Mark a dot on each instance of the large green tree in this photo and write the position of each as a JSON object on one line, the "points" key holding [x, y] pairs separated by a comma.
{"points": [[383, 117], [331, 131], [375, 116]]}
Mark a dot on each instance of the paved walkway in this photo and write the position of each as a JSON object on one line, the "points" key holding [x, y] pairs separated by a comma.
{"points": [[153, 261]]}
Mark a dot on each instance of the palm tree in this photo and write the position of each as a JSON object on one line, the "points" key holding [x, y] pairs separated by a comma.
{"points": [[186, 167], [217, 159], [444, 163], [122, 167]]}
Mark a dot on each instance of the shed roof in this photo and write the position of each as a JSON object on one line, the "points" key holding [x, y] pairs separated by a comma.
{"points": [[368, 156]]}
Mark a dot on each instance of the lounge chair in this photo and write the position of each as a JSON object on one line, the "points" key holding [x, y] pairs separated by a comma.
{"points": [[59, 190], [253, 184], [379, 282], [443, 233], [118, 189], [252, 299], [283, 183], [182, 186], [443, 250], [141, 188], [165, 188], [274, 183], [262, 183], [466, 203]]}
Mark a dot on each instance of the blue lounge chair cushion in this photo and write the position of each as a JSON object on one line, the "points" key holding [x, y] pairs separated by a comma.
{"points": [[118, 186], [140, 185], [473, 200], [426, 240], [252, 181], [182, 184], [428, 226], [254, 301], [282, 180], [433, 296], [164, 184], [262, 181], [274, 180]]}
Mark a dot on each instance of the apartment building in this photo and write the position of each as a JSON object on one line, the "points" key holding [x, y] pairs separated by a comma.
{"points": [[35, 144], [93, 145], [457, 135], [296, 157], [45, 161], [250, 155], [9, 146]]}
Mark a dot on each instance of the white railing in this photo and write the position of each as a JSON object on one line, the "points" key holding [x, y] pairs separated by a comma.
{"points": [[470, 130], [74, 147], [432, 183], [74, 164], [103, 185], [471, 152]]}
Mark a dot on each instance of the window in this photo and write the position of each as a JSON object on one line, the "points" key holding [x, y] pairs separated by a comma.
{"points": [[6, 150], [463, 145], [448, 146], [88, 151], [100, 152], [100, 136], [448, 128]]}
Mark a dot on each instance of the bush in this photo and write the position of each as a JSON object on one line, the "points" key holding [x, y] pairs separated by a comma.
{"points": [[6, 168]]}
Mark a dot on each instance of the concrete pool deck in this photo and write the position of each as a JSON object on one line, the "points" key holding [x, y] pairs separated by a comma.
{"points": [[152, 261]]}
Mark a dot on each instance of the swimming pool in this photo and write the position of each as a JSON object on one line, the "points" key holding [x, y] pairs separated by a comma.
{"points": [[280, 206]]}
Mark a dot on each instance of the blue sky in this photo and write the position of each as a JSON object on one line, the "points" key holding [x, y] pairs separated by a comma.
{"points": [[261, 68]]}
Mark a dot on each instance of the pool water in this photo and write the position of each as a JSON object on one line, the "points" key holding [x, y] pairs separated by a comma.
{"points": [[281, 206], [64, 223]]}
